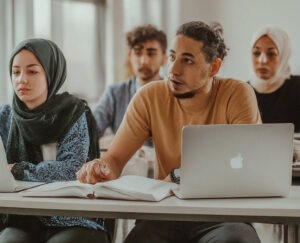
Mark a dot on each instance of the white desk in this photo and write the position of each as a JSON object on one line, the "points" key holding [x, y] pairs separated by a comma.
{"points": [[263, 210]]}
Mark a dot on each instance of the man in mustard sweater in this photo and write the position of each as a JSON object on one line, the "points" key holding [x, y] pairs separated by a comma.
{"points": [[191, 95]]}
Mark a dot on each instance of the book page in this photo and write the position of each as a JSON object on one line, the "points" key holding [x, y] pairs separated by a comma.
{"points": [[61, 189], [128, 187], [133, 187]]}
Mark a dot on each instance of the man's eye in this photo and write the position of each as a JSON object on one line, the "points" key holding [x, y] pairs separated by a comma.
{"points": [[151, 54], [15, 72], [187, 60]]}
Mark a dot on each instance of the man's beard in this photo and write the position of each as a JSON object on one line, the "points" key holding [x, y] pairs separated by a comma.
{"points": [[149, 74], [186, 95]]}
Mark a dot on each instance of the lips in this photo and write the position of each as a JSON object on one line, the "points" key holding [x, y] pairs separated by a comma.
{"points": [[23, 90], [263, 70], [176, 83]]}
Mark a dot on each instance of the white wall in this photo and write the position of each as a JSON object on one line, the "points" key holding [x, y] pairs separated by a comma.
{"points": [[115, 46], [8, 38], [4, 57], [76, 26], [16, 24], [240, 20]]}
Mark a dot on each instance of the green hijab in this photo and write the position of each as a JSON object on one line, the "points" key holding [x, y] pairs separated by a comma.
{"points": [[50, 121]]}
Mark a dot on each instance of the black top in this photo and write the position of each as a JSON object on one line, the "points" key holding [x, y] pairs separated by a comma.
{"points": [[282, 105]]}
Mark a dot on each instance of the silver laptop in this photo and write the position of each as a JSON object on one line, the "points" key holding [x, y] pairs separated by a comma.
{"points": [[225, 161], [7, 180]]}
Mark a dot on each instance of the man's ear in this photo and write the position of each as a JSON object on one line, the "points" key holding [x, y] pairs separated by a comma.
{"points": [[215, 66]]}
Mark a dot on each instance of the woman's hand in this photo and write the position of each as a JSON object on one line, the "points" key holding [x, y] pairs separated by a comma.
{"points": [[10, 166], [95, 171]]}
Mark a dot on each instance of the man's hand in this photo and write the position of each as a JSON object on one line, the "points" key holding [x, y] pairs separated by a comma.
{"points": [[174, 176], [168, 178], [95, 171]]}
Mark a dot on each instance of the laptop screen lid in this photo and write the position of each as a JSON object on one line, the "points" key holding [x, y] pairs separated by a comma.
{"points": [[7, 180], [220, 161]]}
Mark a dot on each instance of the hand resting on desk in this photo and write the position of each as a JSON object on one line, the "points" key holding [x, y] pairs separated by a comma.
{"points": [[95, 171]]}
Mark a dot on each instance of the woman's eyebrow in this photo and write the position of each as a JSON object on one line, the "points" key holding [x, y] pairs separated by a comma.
{"points": [[30, 65]]}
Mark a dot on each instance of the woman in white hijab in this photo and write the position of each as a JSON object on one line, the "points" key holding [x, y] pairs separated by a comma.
{"points": [[277, 91]]}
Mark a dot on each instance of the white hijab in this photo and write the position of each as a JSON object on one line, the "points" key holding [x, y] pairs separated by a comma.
{"points": [[282, 42]]}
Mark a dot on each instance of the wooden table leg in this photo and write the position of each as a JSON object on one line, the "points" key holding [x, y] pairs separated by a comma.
{"points": [[285, 233], [291, 233]]}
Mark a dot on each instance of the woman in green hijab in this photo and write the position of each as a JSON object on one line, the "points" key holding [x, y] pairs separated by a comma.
{"points": [[47, 137]]}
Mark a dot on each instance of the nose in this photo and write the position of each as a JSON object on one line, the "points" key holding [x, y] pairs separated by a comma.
{"points": [[144, 59], [262, 58], [174, 67], [22, 78]]}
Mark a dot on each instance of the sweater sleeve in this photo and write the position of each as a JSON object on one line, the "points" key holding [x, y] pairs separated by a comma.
{"points": [[72, 153], [104, 111]]}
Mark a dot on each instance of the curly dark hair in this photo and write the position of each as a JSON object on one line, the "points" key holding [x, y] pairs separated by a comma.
{"points": [[213, 43], [141, 34]]}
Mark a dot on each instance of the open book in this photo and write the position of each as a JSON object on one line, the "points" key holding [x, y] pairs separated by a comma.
{"points": [[128, 187]]}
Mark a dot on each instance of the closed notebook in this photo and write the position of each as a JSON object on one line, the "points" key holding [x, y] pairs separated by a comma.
{"points": [[128, 187]]}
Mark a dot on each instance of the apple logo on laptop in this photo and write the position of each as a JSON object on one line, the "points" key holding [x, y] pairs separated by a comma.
{"points": [[237, 162]]}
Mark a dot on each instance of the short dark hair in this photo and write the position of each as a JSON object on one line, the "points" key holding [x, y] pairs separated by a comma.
{"points": [[142, 34], [213, 43]]}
